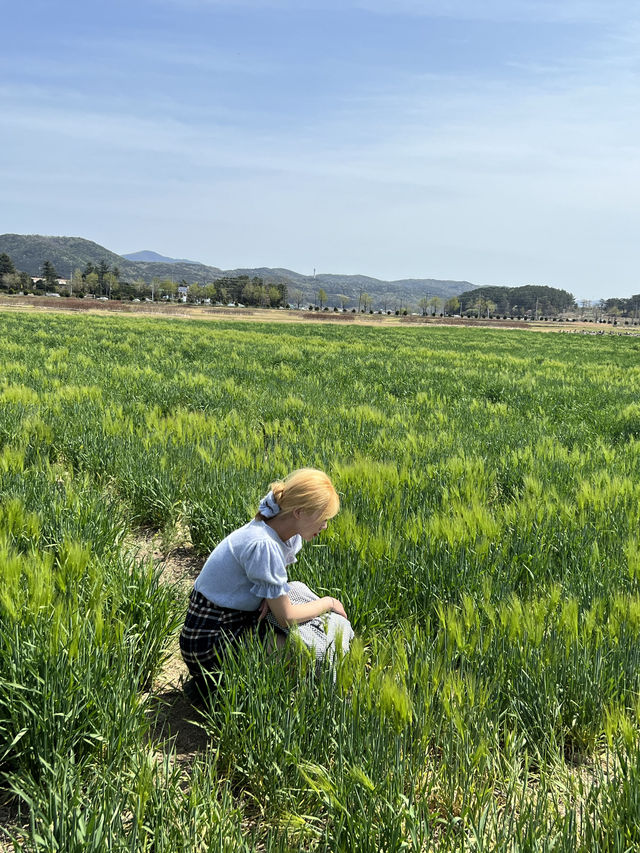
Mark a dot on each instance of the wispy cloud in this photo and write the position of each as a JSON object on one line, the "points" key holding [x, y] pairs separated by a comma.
{"points": [[575, 11], [567, 11]]}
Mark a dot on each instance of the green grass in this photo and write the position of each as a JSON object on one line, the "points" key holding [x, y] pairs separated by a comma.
{"points": [[487, 553]]}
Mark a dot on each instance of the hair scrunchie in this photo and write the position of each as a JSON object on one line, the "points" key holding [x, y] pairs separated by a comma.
{"points": [[268, 506]]}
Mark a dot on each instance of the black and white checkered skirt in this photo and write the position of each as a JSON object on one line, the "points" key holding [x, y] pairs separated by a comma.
{"points": [[208, 629]]}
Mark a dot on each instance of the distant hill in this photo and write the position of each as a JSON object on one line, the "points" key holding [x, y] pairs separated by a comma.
{"points": [[28, 253], [406, 290], [528, 299], [155, 258]]}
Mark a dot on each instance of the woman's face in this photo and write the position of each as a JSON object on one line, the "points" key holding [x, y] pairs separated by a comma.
{"points": [[310, 524]]}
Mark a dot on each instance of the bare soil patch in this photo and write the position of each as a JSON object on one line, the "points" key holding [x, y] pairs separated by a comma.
{"points": [[171, 551], [10, 820], [175, 721]]}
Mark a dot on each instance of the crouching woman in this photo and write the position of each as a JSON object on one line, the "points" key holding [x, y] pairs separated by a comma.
{"points": [[246, 575]]}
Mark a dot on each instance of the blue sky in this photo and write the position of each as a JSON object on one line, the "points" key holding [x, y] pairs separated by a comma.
{"points": [[494, 141]]}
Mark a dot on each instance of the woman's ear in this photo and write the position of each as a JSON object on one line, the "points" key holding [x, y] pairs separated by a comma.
{"points": [[297, 513]]}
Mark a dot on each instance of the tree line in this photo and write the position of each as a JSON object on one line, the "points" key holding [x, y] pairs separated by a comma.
{"points": [[103, 280], [11, 280], [531, 300], [622, 307]]}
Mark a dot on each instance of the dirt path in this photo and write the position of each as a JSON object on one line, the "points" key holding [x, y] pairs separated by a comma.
{"points": [[176, 719]]}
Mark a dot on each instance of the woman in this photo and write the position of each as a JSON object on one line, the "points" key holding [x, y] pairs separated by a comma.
{"points": [[245, 576]]}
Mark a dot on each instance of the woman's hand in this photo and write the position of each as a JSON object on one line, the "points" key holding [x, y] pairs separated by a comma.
{"points": [[337, 607], [264, 609]]}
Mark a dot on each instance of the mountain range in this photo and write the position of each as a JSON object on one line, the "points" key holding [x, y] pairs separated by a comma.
{"points": [[155, 258], [67, 254]]}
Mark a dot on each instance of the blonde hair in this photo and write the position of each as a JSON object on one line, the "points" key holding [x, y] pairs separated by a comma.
{"points": [[308, 489]]}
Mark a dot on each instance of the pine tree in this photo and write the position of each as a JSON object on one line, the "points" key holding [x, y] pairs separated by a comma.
{"points": [[6, 265], [49, 274]]}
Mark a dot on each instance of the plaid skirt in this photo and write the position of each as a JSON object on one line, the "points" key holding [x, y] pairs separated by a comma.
{"points": [[208, 629]]}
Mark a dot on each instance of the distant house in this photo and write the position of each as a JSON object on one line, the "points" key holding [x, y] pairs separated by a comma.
{"points": [[38, 278]]}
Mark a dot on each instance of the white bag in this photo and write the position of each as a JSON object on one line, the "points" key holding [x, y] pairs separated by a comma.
{"points": [[322, 634]]}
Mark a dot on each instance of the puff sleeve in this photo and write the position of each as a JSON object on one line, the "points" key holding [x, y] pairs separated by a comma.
{"points": [[266, 570]]}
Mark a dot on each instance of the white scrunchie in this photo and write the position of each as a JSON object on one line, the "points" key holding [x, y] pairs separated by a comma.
{"points": [[268, 506]]}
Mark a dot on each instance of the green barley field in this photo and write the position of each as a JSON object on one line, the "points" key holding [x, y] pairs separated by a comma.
{"points": [[487, 553]]}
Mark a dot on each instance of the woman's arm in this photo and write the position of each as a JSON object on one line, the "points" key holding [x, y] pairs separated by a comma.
{"points": [[288, 614]]}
